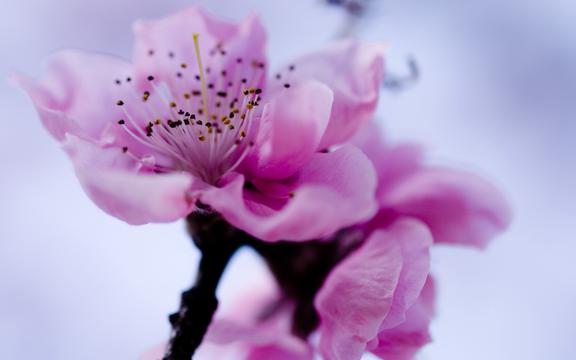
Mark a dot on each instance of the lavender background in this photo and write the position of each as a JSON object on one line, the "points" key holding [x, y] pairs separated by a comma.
{"points": [[497, 95]]}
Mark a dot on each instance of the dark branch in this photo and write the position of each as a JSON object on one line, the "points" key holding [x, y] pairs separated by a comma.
{"points": [[217, 242]]}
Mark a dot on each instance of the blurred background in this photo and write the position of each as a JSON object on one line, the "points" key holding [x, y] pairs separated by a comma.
{"points": [[497, 95]]}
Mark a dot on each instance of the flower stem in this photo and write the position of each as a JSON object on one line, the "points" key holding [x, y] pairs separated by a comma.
{"points": [[217, 242]]}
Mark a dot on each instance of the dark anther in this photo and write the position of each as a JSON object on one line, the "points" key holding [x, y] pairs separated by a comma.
{"points": [[121, 122], [125, 149], [223, 72], [258, 91], [150, 77], [286, 85], [197, 77], [128, 79], [118, 82], [119, 102], [244, 81], [249, 186], [239, 60], [291, 67], [210, 86], [179, 74], [150, 52], [222, 93], [231, 115]]}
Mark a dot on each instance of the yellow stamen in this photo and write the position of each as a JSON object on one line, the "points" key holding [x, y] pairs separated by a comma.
{"points": [[202, 77]]}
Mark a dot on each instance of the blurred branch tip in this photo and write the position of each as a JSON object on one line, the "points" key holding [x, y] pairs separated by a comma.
{"points": [[353, 7], [396, 82]]}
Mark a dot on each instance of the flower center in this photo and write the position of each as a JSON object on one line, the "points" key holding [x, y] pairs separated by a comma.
{"points": [[206, 129]]}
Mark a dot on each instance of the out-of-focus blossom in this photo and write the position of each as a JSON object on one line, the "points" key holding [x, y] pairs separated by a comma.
{"points": [[199, 121], [249, 330]]}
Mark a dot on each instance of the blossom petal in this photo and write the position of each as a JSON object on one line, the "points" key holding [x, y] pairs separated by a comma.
{"points": [[331, 191], [363, 290], [163, 45], [403, 341], [77, 93], [459, 208], [267, 340], [393, 163], [114, 184], [292, 125], [415, 269], [354, 71]]}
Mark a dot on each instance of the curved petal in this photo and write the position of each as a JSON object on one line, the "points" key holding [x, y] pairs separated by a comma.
{"points": [[354, 71], [415, 269], [78, 93], [292, 125], [403, 341], [113, 183], [164, 48], [267, 340], [331, 191], [363, 290], [393, 163], [459, 208]]}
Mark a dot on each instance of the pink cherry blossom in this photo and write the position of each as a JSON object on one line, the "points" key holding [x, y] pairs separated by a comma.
{"points": [[196, 119]]}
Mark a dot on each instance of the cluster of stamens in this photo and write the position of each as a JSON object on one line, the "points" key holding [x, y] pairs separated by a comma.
{"points": [[204, 128]]}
